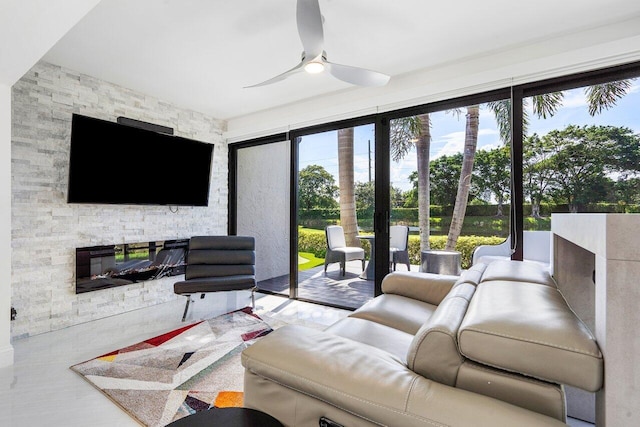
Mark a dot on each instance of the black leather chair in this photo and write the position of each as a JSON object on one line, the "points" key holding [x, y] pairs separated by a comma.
{"points": [[217, 264]]}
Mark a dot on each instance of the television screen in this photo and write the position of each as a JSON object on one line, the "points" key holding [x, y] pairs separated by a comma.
{"points": [[117, 164]]}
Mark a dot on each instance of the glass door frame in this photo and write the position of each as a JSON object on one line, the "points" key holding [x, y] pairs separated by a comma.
{"points": [[295, 136]]}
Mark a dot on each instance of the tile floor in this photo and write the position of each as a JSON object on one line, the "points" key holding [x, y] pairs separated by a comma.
{"points": [[41, 390]]}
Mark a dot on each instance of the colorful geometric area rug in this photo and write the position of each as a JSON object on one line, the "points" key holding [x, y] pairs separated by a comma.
{"points": [[176, 374]]}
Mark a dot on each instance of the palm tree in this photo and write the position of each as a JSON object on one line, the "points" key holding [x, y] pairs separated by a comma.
{"points": [[423, 146], [348, 219], [406, 133], [464, 184]]}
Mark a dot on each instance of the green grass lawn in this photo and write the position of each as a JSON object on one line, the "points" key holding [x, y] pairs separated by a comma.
{"points": [[308, 260]]}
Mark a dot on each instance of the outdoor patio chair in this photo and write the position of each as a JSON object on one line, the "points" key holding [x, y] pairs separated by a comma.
{"points": [[399, 246], [217, 264], [537, 248], [338, 251]]}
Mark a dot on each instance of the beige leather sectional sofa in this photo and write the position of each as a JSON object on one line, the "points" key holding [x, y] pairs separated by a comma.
{"points": [[492, 347]]}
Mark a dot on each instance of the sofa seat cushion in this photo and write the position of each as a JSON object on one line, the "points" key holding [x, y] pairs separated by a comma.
{"points": [[383, 337], [395, 311], [518, 271], [526, 392], [530, 329]]}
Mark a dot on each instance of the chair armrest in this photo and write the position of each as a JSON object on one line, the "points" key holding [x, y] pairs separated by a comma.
{"points": [[368, 382], [427, 287]]}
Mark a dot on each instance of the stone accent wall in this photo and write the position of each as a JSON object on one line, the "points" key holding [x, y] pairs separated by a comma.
{"points": [[46, 230]]}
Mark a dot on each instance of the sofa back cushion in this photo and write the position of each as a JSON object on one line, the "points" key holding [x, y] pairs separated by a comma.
{"points": [[518, 271], [427, 287], [473, 275], [529, 328], [434, 353]]}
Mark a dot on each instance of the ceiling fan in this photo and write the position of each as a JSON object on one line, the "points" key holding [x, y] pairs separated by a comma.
{"points": [[314, 58]]}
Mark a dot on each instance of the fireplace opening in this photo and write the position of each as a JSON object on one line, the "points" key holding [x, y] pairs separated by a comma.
{"points": [[108, 266]]}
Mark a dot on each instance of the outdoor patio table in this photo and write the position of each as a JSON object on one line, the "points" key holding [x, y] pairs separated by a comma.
{"points": [[368, 273], [440, 262]]}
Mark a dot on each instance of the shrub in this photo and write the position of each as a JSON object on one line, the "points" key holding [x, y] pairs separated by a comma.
{"points": [[312, 241]]}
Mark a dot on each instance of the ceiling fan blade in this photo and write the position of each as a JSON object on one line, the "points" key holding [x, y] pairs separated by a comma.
{"points": [[280, 77], [357, 76], [309, 21]]}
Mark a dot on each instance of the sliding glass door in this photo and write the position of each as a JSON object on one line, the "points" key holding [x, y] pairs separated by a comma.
{"points": [[336, 190]]}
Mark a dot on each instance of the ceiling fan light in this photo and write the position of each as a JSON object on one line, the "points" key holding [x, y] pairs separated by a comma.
{"points": [[314, 67]]}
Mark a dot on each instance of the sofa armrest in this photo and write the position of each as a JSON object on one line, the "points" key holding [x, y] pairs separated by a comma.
{"points": [[427, 287], [368, 382]]}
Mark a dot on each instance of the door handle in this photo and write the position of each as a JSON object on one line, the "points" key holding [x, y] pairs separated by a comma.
{"points": [[381, 221]]}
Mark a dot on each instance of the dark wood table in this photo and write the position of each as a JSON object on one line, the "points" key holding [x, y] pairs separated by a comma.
{"points": [[227, 417]]}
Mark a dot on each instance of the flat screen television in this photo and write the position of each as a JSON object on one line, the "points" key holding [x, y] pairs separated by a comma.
{"points": [[112, 163]]}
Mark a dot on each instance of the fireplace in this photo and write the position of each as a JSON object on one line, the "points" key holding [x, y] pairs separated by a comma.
{"points": [[108, 266]]}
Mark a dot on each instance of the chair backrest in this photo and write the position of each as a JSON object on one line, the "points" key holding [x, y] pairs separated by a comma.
{"points": [[335, 237], [399, 237], [215, 256]]}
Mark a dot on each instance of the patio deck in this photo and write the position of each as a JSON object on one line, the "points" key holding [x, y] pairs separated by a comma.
{"points": [[344, 291]]}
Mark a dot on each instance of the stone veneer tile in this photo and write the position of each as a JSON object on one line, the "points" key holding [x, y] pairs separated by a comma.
{"points": [[46, 230]]}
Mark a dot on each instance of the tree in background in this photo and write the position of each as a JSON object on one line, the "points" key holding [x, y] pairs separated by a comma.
{"points": [[445, 173], [365, 196], [493, 174], [316, 188], [627, 191], [584, 157], [348, 219], [537, 171], [411, 196]]}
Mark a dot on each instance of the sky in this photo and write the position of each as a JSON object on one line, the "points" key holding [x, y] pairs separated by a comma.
{"points": [[448, 135]]}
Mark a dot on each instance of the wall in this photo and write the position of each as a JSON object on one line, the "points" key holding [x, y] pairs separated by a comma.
{"points": [[46, 230], [263, 210], [6, 350]]}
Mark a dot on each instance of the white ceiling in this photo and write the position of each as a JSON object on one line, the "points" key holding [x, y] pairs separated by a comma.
{"points": [[199, 54]]}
